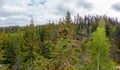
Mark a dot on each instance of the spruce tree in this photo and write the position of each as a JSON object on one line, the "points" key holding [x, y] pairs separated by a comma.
{"points": [[31, 45]]}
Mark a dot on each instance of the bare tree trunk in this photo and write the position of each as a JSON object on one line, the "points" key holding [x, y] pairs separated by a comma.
{"points": [[98, 63]]}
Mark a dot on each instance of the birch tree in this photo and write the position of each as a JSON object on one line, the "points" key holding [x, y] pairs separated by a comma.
{"points": [[100, 49]]}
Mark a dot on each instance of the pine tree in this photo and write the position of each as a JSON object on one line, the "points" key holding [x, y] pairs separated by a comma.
{"points": [[68, 19]]}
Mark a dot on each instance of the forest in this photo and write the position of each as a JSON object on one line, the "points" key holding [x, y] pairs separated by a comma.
{"points": [[85, 43]]}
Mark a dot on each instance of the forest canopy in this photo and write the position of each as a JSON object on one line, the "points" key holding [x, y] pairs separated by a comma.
{"points": [[87, 43]]}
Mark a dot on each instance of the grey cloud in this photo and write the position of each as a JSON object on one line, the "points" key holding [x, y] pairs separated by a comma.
{"points": [[42, 1], [62, 8], [84, 4], [52, 9], [6, 13], [17, 9], [11, 21], [116, 6], [1, 3], [37, 3]]}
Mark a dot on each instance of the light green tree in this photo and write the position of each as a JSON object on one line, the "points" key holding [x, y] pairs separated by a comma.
{"points": [[100, 49]]}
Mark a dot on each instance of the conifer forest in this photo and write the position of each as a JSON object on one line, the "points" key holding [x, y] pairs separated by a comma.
{"points": [[85, 43]]}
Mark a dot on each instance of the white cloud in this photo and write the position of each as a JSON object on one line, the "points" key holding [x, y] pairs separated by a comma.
{"points": [[14, 9], [19, 12]]}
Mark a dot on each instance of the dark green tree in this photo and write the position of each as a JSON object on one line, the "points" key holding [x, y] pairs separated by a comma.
{"points": [[31, 45]]}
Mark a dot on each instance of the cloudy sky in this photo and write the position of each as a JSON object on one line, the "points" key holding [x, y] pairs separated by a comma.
{"points": [[19, 12]]}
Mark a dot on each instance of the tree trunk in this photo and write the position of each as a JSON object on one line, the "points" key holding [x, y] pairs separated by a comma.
{"points": [[98, 63]]}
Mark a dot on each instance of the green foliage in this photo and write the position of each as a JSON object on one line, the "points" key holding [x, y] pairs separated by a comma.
{"points": [[100, 49], [31, 47], [2, 48], [85, 44]]}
